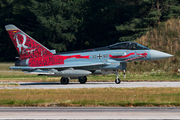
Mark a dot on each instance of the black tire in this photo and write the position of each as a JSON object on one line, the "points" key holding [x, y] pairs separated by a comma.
{"points": [[64, 80], [118, 81], [83, 79]]}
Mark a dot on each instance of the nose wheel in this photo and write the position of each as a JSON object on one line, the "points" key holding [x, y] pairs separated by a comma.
{"points": [[117, 80]]}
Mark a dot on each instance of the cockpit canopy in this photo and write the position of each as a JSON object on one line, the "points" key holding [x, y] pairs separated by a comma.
{"points": [[128, 45]]}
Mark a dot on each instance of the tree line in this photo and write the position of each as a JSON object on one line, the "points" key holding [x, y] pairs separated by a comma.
{"points": [[67, 25]]}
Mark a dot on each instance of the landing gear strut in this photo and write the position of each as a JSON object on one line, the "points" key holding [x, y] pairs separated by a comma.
{"points": [[83, 79], [117, 80], [64, 80]]}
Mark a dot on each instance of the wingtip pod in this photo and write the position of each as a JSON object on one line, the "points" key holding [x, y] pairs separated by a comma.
{"points": [[26, 46]]}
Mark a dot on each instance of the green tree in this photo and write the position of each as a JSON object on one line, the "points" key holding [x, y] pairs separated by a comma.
{"points": [[14, 12], [6, 44], [106, 22], [59, 22]]}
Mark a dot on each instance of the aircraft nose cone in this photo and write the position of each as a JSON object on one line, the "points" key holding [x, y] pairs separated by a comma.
{"points": [[155, 55]]}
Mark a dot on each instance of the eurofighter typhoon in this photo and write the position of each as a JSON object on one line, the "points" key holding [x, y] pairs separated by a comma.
{"points": [[36, 58]]}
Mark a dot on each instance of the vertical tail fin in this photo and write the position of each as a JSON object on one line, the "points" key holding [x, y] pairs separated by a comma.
{"points": [[26, 46]]}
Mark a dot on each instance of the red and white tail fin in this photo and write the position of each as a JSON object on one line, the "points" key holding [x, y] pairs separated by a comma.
{"points": [[26, 46]]}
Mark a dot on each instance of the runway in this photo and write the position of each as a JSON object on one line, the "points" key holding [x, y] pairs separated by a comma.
{"points": [[89, 113], [57, 85]]}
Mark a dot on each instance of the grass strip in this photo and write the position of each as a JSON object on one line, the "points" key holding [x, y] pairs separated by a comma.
{"points": [[91, 97], [8, 84]]}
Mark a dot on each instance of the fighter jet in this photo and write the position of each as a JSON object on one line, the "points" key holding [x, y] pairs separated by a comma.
{"points": [[37, 59]]}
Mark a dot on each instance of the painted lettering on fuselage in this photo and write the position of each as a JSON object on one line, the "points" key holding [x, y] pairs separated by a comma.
{"points": [[105, 55], [94, 57], [99, 56]]}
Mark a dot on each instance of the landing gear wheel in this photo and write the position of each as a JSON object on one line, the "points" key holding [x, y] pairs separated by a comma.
{"points": [[118, 81], [64, 80], [83, 79]]}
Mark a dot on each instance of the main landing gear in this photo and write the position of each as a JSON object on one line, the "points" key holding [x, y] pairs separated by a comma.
{"points": [[65, 80], [83, 79], [117, 80]]}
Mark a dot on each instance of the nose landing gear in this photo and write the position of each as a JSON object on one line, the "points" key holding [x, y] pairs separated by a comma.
{"points": [[117, 80]]}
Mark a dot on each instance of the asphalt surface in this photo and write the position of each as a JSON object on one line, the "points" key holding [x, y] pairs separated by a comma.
{"points": [[57, 85], [89, 113]]}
